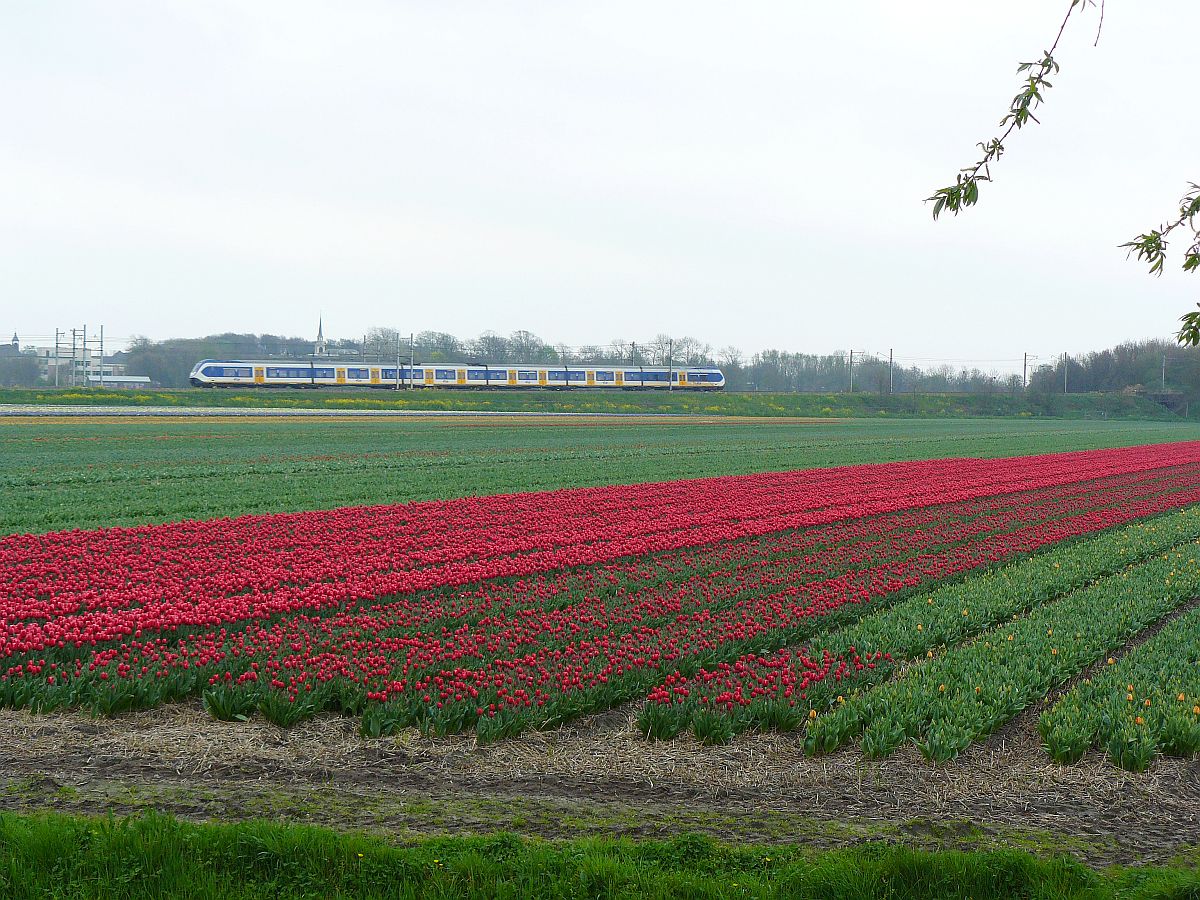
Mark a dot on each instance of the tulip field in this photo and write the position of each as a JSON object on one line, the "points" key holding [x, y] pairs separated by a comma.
{"points": [[57, 475], [927, 602]]}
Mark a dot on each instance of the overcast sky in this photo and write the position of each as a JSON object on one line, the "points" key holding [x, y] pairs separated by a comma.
{"points": [[749, 173]]}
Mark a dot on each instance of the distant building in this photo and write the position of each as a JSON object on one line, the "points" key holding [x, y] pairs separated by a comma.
{"points": [[13, 349], [321, 348], [59, 366]]}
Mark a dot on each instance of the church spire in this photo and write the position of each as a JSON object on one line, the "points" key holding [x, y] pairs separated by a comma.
{"points": [[320, 348]]}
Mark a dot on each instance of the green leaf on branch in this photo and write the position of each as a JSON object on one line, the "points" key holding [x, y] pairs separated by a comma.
{"points": [[1189, 334], [1149, 248]]}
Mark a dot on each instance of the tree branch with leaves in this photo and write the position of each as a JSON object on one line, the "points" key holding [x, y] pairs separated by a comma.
{"points": [[1150, 248]]}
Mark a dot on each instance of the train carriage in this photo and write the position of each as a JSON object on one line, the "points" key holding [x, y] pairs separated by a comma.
{"points": [[333, 373]]}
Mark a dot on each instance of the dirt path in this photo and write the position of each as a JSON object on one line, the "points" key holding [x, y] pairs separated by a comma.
{"points": [[596, 777]]}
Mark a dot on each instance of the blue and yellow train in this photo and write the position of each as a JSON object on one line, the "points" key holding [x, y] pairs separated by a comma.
{"points": [[335, 373]]}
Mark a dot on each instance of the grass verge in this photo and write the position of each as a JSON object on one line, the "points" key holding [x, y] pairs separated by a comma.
{"points": [[155, 856]]}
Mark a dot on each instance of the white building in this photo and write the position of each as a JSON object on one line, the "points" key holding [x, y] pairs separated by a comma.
{"points": [[58, 366]]}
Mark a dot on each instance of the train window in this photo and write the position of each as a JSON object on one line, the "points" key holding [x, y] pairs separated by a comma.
{"points": [[418, 373], [497, 375], [556, 375], [358, 373], [576, 376], [322, 373], [237, 371], [605, 376], [477, 374], [214, 371], [526, 376], [444, 374]]}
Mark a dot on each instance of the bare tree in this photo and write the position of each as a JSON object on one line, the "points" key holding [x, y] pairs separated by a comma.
{"points": [[660, 349], [526, 346], [440, 346], [491, 347], [382, 342]]}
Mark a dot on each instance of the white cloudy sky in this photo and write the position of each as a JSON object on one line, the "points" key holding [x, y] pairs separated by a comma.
{"points": [[746, 173]]}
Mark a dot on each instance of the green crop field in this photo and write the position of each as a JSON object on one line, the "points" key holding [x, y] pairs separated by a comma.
{"points": [[720, 403], [57, 474]]}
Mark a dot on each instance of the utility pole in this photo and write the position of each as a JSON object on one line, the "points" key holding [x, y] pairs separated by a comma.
{"points": [[1026, 357], [851, 371], [57, 340], [633, 353], [412, 360], [74, 356], [101, 356], [397, 360], [671, 364], [890, 363]]}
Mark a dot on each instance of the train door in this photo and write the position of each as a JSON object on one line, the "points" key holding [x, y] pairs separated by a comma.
{"points": [[462, 376], [591, 378], [512, 377], [260, 375], [620, 378], [341, 376], [375, 379], [429, 377], [541, 377]]}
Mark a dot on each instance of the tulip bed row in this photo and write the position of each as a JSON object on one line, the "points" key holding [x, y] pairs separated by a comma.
{"points": [[783, 691], [1146, 703], [511, 612], [115, 582], [951, 700]]}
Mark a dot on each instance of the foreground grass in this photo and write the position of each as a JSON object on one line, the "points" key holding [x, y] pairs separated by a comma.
{"points": [[57, 474], [157, 856], [722, 403]]}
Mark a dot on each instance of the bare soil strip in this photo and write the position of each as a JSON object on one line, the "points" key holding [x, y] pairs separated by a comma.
{"points": [[598, 776]]}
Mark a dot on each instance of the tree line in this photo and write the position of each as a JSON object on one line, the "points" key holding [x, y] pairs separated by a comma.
{"points": [[1129, 366]]}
